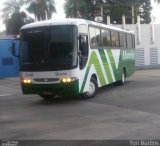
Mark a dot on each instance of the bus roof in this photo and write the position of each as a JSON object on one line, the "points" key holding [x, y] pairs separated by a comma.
{"points": [[71, 21]]}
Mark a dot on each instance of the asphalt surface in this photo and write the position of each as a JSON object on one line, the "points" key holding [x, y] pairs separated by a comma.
{"points": [[124, 112]]}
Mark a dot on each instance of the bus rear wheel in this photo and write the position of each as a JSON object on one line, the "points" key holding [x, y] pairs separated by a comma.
{"points": [[93, 87], [123, 78]]}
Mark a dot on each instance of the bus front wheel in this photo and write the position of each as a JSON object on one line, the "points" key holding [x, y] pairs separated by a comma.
{"points": [[93, 87]]}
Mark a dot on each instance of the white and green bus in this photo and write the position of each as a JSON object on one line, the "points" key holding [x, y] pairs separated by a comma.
{"points": [[74, 56]]}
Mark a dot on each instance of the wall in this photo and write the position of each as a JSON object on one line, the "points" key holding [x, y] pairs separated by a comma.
{"points": [[148, 49]]}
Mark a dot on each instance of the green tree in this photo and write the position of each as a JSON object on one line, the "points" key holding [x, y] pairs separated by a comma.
{"points": [[13, 17], [145, 11], [10, 7], [75, 9], [101, 8], [89, 9], [125, 7], [15, 22], [42, 9]]}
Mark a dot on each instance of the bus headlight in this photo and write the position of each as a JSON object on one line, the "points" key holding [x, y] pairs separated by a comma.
{"points": [[68, 80], [26, 81]]}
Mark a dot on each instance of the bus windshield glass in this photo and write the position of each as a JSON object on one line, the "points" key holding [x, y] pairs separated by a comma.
{"points": [[49, 48]]}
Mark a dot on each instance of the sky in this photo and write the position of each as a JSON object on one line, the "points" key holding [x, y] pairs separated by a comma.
{"points": [[60, 12]]}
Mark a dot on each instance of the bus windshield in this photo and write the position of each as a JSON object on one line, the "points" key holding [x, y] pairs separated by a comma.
{"points": [[49, 48]]}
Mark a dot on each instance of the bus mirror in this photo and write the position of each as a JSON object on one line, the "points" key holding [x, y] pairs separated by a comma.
{"points": [[79, 53], [83, 44], [83, 50], [14, 49]]}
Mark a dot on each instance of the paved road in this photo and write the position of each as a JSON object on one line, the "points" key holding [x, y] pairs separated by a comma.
{"points": [[124, 112]]}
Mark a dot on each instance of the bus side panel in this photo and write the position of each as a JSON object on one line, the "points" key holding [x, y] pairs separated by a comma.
{"points": [[127, 63], [93, 67], [104, 64], [131, 63], [108, 65]]}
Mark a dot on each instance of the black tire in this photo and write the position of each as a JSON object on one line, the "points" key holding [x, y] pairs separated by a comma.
{"points": [[93, 89], [47, 97], [123, 78]]}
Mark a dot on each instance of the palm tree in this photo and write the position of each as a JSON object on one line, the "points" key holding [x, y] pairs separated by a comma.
{"points": [[158, 1], [50, 8], [42, 9], [13, 17], [12, 6], [15, 22], [87, 9], [75, 8]]}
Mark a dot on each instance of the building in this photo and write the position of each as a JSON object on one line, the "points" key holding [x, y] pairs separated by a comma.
{"points": [[9, 65]]}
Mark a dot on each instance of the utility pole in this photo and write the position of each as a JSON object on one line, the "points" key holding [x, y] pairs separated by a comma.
{"points": [[101, 7], [123, 21], [132, 7]]}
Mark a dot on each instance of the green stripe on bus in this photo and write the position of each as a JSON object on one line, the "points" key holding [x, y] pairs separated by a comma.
{"points": [[106, 65], [94, 60], [111, 58]]}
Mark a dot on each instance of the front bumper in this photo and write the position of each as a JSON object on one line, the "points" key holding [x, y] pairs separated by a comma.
{"points": [[57, 89]]}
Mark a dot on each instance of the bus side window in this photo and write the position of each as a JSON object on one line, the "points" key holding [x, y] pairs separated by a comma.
{"points": [[129, 41], [122, 40], [98, 37], [92, 36], [125, 41], [95, 38], [133, 41], [106, 38], [115, 38]]}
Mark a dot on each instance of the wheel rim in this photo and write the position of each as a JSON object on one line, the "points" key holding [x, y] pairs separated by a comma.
{"points": [[92, 88]]}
